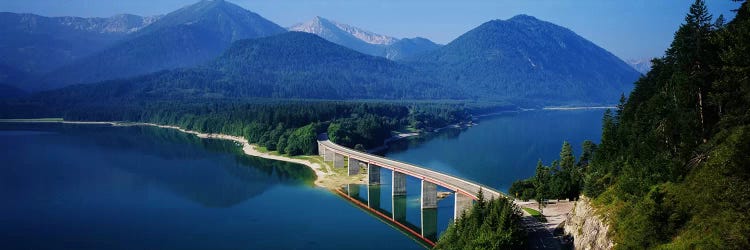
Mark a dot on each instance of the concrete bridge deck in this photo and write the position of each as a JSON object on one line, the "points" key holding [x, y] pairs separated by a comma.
{"points": [[456, 184]]}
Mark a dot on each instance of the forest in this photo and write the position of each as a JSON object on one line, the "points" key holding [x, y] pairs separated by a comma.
{"points": [[287, 126], [493, 224], [673, 169]]}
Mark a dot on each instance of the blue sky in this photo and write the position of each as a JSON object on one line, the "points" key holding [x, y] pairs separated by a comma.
{"points": [[629, 29]]}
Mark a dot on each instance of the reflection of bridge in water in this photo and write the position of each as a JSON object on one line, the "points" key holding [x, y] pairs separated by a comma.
{"points": [[465, 192]]}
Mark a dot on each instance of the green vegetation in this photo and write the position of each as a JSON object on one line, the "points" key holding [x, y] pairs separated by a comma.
{"points": [[561, 180], [493, 224], [671, 171], [536, 214], [288, 127]]}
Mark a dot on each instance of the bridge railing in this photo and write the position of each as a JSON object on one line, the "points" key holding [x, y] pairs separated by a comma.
{"points": [[365, 157]]}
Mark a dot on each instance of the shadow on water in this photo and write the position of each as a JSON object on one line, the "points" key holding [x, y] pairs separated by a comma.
{"points": [[192, 178]]}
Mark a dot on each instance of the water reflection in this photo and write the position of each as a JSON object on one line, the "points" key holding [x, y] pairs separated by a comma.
{"points": [[181, 163]]}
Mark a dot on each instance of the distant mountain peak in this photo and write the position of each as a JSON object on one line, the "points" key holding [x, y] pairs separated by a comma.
{"points": [[322, 27], [235, 21], [520, 17], [642, 65]]}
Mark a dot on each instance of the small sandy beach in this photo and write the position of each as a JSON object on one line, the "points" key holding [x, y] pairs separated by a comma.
{"points": [[327, 176]]}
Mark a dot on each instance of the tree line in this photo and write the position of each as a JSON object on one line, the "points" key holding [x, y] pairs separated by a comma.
{"points": [[671, 170], [562, 179]]}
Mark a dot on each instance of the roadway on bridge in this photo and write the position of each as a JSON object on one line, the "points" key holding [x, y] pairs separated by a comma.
{"points": [[451, 182]]}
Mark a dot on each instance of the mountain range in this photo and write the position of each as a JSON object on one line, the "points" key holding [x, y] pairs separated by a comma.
{"points": [[215, 49], [35, 44], [641, 65], [365, 41], [526, 58], [184, 38]]}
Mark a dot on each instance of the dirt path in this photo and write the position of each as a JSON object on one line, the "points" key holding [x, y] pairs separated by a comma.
{"points": [[541, 234]]}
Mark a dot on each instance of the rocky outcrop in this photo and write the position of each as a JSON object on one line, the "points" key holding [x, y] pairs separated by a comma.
{"points": [[587, 228]]}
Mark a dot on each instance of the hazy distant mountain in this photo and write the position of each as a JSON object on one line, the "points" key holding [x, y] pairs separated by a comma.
{"points": [[9, 91], [184, 38], [641, 65], [345, 35], [409, 47], [529, 59], [36, 44], [289, 65], [364, 41]]}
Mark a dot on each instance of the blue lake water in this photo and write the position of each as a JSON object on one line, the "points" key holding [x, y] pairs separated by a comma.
{"points": [[502, 148], [101, 187]]}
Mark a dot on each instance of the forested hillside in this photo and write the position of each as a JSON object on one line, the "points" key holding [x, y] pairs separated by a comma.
{"points": [[187, 37], [290, 65], [287, 126], [35, 44], [673, 167], [524, 58]]}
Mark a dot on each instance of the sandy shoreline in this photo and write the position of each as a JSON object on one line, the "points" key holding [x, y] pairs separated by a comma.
{"points": [[322, 179], [249, 149]]}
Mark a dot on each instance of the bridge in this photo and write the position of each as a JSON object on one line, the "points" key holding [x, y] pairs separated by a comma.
{"points": [[464, 190]]}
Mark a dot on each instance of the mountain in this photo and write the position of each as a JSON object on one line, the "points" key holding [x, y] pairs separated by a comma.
{"points": [[524, 58], [10, 91], [184, 38], [364, 41], [345, 35], [289, 65], [36, 44], [409, 47], [641, 65]]}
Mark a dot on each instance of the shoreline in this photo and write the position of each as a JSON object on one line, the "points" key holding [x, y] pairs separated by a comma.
{"points": [[579, 108], [322, 177]]}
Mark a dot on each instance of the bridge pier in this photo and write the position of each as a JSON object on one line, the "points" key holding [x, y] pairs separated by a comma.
{"points": [[373, 174], [429, 195], [338, 160], [353, 166], [328, 155], [461, 204], [321, 150], [398, 181]]}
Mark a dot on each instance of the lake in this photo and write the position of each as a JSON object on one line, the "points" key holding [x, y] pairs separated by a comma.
{"points": [[502, 148], [102, 187]]}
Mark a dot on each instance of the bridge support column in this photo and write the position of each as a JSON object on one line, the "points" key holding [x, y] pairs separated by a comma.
{"points": [[429, 195], [461, 203], [353, 166], [328, 156], [321, 150], [338, 161], [399, 184], [373, 174]]}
